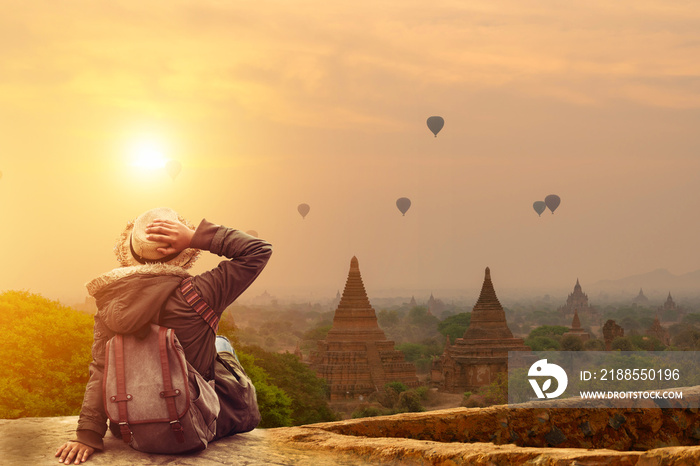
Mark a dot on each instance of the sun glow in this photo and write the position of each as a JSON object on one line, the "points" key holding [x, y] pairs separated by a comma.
{"points": [[147, 154]]}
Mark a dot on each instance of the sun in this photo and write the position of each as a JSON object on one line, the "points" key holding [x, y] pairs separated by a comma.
{"points": [[147, 154]]}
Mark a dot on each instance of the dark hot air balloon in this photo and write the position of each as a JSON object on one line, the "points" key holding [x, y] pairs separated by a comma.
{"points": [[173, 168], [303, 210], [552, 201], [539, 207], [435, 124], [403, 203]]}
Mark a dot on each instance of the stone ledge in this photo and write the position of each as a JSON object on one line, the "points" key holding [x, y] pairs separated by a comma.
{"points": [[34, 441]]}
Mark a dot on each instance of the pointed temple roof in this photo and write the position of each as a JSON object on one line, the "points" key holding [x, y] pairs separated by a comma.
{"points": [[474, 360], [355, 318], [577, 286], [576, 329], [640, 298], [356, 358], [488, 319], [576, 323]]}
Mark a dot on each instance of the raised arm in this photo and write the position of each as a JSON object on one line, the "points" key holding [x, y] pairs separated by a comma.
{"points": [[247, 256]]}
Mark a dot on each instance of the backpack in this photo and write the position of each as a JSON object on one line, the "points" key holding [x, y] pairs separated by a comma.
{"points": [[160, 403]]}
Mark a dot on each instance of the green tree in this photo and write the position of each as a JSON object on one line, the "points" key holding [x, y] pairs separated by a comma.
{"points": [[548, 331], [688, 339], [542, 344], [410, 402], [418, 315], [455, 326], [317, 333], [274, 404], [398, 387], [387, 318], [594, 345], [691, 318], [307, 392], [571, 343], [647, 343], [496, 393], [45, 351], [622, 344]]}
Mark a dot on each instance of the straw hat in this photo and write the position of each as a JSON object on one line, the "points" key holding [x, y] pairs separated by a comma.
{"points": [[133, 249]]}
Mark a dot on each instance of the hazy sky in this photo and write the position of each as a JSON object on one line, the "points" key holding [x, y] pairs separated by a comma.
{"points": [[270, 104]]}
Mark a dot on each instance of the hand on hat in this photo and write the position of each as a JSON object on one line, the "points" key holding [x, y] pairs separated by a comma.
{"points": [[175, 234]]}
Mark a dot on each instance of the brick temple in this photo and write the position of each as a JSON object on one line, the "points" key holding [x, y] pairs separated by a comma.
{"points": [[474, 360], [578, 301], [576, 330], [356, 358]]}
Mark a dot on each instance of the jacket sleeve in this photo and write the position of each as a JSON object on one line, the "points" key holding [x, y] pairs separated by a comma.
{"points": [[247, 256], [92, 423]]}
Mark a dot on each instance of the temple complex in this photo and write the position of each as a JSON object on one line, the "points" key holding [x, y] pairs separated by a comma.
{"points": [[670, 304], [356, 358], [576, 329], [670, 311], [640, 299], [578, 301], [474, 360], [435, 306]]}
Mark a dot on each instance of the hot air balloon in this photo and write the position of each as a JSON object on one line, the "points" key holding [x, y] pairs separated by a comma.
{"points": [[552, 201], [303, 210], [252, 233], [403, 203], [539, 207], [173, 167], [435, 124]]}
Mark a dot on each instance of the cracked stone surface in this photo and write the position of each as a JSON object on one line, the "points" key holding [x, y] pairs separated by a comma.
{"points": [[370, 441]]}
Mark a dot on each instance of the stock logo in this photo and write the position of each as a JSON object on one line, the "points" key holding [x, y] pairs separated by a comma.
{"points": [[542, 368]]}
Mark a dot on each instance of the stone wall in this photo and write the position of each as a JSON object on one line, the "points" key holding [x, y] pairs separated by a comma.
{"points": [[535, 424], [495, 436]]}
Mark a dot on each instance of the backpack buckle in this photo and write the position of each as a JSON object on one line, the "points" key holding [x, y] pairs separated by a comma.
{"points": [[178, 431], [125, 430]]}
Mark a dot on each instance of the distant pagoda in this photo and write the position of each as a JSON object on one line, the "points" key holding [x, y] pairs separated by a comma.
{"points": [[670, 304], [356, 358], [640, 299], [474, 360], [670, 311], [578, 301], [576, 329]]}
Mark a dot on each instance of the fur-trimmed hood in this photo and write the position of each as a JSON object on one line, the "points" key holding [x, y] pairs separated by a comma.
{"points": [[130, 297], [95, 285]]}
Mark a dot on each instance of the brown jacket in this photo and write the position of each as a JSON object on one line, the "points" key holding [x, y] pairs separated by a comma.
{"points": [[130, 297]]}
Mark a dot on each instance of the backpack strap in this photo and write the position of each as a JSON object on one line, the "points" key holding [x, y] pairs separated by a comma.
{"points": [[198, 304], [121, 398], [168, 393]]}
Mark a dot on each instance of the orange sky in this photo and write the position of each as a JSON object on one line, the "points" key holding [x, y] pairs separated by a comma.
{"points": [[270, 104]]}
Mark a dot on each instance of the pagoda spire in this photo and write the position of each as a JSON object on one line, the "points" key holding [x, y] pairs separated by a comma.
{"points": [[355, 318], [576, 323], [488, 319]]}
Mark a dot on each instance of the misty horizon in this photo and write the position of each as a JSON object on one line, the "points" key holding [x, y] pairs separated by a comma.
{"points": [[239, 114]]}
